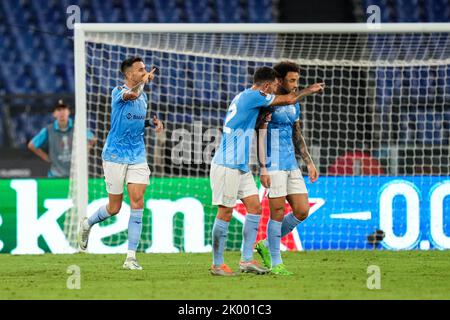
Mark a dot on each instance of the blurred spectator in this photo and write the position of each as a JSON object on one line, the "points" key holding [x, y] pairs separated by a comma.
{"points": [[356, 163], [53, 143]]}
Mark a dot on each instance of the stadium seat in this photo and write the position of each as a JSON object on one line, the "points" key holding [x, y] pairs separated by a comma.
{"points": [[407, 10], [437, 10], [197, 11], [260, 11], [42, 49], [229, 11], [167, 11]]}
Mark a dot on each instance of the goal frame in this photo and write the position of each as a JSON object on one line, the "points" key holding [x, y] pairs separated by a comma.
{"points": [[80, 29]]}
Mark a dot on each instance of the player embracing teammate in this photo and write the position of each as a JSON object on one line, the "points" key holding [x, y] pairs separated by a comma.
{"points": [[286, 180], [230, 175]]}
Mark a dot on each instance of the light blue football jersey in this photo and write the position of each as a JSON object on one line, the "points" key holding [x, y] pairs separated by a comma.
{"points": [[280, 146], [239, 127], [125, 141]]}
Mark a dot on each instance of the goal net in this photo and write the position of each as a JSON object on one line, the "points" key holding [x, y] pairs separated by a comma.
{"points": [[379, 134]]}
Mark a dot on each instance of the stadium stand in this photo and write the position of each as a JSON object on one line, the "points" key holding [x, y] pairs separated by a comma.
{"points": [[35, 34]]}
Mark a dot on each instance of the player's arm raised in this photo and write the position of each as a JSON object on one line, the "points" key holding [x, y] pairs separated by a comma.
{"points": [[301, 150], [136, 91], [294, 97]]}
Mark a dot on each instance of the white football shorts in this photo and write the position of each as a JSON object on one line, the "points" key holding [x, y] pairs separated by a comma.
{"points": [[116, 174], [228, 185], [286, 182]]}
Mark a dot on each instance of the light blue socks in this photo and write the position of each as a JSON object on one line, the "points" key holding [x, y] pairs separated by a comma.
{"points": [[274, 239], [219, 239], [249, 233], [289, 223], [135, 229], [100, 215]]}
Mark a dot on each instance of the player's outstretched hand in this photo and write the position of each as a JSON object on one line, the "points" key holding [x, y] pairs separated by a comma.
{"points": [[313, 173], [316, 87], [159, 126]]}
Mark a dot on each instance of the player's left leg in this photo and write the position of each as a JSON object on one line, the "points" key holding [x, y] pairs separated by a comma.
{"points": [[114, 178], [297, 196], [300, 209], [137, 180]]}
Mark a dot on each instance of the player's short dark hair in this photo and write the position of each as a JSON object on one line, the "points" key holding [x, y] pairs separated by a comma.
{"points": [[264, 74], [60, 105], [286, 66], [127, 63]]}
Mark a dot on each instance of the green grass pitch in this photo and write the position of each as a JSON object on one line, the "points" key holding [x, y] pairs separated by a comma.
{"points": [[318, 275]]}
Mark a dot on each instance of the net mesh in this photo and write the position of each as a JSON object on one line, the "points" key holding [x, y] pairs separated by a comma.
{"points": [[385, 113]]}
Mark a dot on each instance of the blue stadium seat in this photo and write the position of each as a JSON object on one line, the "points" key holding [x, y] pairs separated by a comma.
{"points": [[167, 11], [437, 11], [260, 11], [408, 10], [229, 11], [52, 56], [198, 11]]}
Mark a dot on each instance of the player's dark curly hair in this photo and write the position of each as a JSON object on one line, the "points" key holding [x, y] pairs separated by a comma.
{"points": [[286, 66], [264, 74], [127, 63]]}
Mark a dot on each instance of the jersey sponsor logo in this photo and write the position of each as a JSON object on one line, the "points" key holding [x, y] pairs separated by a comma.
{"points": [[135, 117]]}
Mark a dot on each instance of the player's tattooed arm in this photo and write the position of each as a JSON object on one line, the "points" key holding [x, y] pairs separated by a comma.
{"points": [[301, 150]]}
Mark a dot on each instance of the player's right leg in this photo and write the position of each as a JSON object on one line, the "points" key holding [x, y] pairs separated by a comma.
{"points": [[114, 178], [224, 184], [297, 196], [250, 230], [137, 179]]}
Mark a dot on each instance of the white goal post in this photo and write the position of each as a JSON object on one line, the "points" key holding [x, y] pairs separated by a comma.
{"points": [[363, 61]]}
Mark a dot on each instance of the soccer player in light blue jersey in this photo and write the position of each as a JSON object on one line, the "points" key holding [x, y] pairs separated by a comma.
{"points": [[124, 156], [230, 175], [286, 180]]}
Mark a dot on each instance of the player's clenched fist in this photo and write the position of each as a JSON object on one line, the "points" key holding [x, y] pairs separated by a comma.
{"points": [[159, 126]]}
